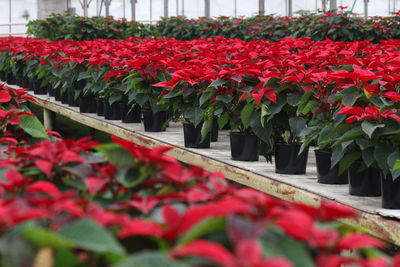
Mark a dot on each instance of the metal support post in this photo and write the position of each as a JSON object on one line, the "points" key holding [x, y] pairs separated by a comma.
{"points": [[165, 8], [183, 7], [151, 11], [49, 119], [9, 16], [366, 9], [133, 9], [290, 7], [333, 5], [123, 7], [177, 7], [85, 8], [107, 4], [261, 7], [207, 8]]}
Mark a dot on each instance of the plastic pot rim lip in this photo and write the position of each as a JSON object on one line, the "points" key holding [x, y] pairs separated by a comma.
{"points": [[321, 151], [241, 133], [150, 110], [286, 144]]}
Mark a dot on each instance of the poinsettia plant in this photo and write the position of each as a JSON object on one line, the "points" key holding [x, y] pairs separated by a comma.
{"points": [[367, 121]]}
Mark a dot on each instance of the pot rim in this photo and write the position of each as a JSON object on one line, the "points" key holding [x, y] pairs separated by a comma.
{"points": [[241, 133], [286, 144]]}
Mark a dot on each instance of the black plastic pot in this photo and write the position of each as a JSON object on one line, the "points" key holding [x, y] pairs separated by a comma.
{"points": [[2, 76], [100, 106], [19, 81], [390, 192], [87, 104], [326, 174], [214, 131], [287, 160], [244, 146], [71, 99], [57, 93], [64, 97], [129, 116], [366, 183], [51, 90], [192, 136], [11, 79], [38, 89], [112, 112], [25, 83], [154, 122]]}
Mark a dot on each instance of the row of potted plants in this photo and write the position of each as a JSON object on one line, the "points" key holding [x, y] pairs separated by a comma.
{"points": [[336, 25], [72, 27], [81, 203], [286, 92]]}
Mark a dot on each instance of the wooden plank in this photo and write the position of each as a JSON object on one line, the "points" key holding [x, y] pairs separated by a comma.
{"points": [[259, 175]]}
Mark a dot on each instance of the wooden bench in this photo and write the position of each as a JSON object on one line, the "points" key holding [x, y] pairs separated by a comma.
{"points": [[382, 223]]}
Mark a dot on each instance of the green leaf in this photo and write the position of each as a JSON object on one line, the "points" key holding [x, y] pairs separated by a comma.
{"points": [[83, 75], [148, 259], [347, 161], [205, 129], [382, 152], [396, 168], [206, 96], [277, 244], [133, 83], [45, 238], [368, 156], [394, 164], [369, 127], [350, 96], [32, 126], [349, 135], [392, 129], [217, 83], [308, 107], [363, 143], [65, 258], [377, 101], [130, 177], [223, 120], [247, 113], [337, 155], [115, 154], [88, 235], [224, 98], [202, 228], [264, 112], [293, 98], [275, 108], [262, 132], [304, 101], [297, 124], [194, 115]]}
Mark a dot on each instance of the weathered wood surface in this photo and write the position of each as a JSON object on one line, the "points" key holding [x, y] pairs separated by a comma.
{"points": [[260, 175]]}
